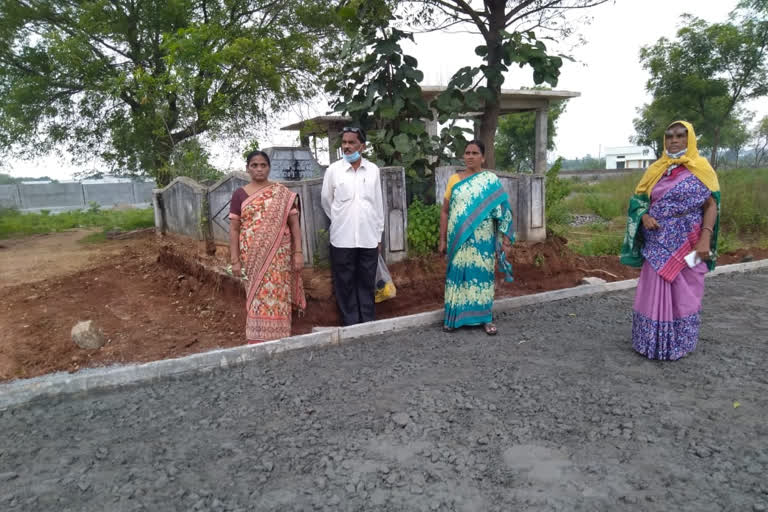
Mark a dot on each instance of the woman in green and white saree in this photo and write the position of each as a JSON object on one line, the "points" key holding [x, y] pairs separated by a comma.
{"points": [[475, 227]]}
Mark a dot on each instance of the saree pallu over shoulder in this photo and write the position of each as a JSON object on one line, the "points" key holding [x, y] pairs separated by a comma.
{"points": [[479, 214], [640, 203], [473, 200], [273, 287], [634, 240]]}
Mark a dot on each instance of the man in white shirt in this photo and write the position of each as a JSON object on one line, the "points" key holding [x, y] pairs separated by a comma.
{"points": [[351, 198]]}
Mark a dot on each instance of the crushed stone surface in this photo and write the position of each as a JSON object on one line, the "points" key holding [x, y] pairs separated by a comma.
{"points": [[555, 413]]}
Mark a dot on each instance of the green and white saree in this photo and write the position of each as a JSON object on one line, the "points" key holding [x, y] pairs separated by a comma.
{"points": [[479, 214]]}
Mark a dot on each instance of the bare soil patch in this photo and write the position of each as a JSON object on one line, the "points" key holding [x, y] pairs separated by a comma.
{"points": [[41, 257], [158, 298]]}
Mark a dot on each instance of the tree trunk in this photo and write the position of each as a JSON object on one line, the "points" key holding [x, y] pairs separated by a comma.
{"points": [[489, 120], [715, 147]]}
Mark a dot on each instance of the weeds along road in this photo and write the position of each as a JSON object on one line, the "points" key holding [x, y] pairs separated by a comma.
{"points": [[556, 413]]}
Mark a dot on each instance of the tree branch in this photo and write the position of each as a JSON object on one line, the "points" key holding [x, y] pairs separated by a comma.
{"points": [[462, 6]]}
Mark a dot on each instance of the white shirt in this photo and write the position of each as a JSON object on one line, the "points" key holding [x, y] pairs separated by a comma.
{"points": [[352, 200]]}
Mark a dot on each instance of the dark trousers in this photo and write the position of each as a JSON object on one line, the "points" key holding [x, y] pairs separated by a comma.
{"points": [[354, 282]]}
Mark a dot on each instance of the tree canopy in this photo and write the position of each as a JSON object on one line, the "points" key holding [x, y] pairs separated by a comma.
{"points": [[129, 80], [507, 28], [705, 75]]}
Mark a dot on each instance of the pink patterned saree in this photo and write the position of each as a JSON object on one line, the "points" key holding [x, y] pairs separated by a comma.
{"points": [[273, 287]]}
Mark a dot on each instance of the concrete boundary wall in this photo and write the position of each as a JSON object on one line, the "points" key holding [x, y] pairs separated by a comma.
{"points": [[598, 174], [188, 208], [18, 392], [57, 197]]}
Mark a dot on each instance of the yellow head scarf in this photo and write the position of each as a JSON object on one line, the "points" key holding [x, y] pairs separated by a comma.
{"points": [[696, 164]]}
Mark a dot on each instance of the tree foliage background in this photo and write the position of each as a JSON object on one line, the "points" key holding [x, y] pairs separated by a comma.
{"points": [[705, 75], [508, 30], [130, 80]]}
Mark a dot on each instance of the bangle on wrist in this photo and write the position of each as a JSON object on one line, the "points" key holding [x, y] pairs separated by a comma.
{"points": [[708, 229]]}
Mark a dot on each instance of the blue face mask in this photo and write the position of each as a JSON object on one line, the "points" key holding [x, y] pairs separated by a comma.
{"points": [[354, 157]]}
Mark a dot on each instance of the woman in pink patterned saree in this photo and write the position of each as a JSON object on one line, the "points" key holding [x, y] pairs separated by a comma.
{"points": [[265, 246]]}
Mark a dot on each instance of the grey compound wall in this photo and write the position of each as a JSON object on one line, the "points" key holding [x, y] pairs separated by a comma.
{"points": [[189, 208], [73, 196]]}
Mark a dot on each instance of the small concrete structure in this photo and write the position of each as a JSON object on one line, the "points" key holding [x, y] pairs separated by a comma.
{"points": [[191, 209], [321, 127], [293, 164], [58, 197], [512, 101], [527, 189]]}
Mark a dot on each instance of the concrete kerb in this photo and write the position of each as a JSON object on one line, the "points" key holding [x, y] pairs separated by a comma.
{"points": [[21, 391]]}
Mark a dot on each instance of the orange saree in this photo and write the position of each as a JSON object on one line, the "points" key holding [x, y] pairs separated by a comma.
{"points": [[273, 287]]}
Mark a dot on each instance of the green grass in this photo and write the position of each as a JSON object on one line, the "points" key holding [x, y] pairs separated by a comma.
{"points": [[743, 221], [597, 239], [607, 198], [600, 244], [744, 202], [14, 223]]}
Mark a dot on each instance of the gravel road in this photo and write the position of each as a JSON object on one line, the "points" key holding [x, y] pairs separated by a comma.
{"points": [[556, 413]]}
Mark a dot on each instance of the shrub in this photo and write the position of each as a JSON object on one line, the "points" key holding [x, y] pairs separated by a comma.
{"points": [[557, 189], [423, 228]]}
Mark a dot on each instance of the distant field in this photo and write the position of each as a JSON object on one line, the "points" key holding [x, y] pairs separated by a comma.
{"points": [[744, 213], [14, 223]]}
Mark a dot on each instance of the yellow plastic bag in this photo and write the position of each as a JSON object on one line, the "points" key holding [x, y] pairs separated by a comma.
{"points": [[385, 287]]}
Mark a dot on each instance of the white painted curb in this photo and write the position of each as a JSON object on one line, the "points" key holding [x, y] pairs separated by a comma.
{"points": [[24, 390]]}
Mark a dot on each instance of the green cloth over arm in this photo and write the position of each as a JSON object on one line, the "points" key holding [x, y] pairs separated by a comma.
{"points": [[633, 237], [715, 231]]}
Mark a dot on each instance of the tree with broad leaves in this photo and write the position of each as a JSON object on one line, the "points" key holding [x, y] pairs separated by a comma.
{"points": [[378, 86], [709, 71], [129, 80], [507, 28]]}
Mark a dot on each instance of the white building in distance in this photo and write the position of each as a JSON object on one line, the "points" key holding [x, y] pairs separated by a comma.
{"points": [[629, 157]]}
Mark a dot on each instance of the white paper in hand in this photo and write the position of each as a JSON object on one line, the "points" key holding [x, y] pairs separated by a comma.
{"points": [[692, 259]]}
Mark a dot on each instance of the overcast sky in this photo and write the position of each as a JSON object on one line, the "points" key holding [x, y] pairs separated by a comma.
{"points": [[607, 73]]}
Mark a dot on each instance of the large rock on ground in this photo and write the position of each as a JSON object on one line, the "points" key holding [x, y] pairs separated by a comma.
{"points": [[87, 335]]}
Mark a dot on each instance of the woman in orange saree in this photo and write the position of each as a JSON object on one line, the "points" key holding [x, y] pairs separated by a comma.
{"points": [[265, 248]]}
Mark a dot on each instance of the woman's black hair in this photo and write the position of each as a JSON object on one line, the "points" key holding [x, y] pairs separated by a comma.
{"points": [[477, 143], [257, 153]]}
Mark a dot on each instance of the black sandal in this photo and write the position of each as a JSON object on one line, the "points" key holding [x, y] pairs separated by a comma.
{"points": [[448, 329], [490, 329]]}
